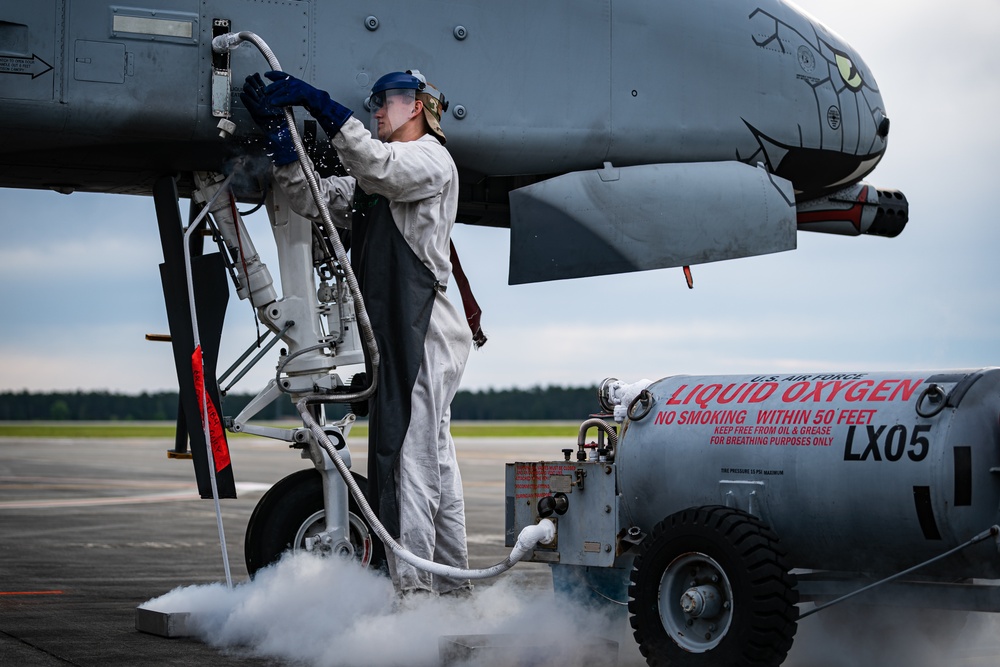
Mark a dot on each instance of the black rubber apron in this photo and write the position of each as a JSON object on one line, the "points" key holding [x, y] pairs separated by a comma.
{"points": [[399, 292]]}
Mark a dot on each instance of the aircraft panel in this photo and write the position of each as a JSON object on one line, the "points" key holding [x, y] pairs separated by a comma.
{"points": [[675, 106], [120, 73], [529, 83], [28, 50]]}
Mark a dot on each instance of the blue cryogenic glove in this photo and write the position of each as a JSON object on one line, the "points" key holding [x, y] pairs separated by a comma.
{"points": [[271, 120], [289, 91]]}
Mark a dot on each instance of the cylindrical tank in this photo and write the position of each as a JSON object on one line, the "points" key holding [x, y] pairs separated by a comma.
{"points": [[856, 472]]}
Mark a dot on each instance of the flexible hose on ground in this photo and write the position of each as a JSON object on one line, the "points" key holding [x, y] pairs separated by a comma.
{"points": [[544, 531]]}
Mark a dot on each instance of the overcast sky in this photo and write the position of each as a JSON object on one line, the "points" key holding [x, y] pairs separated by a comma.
{"points": [[80, 284]]}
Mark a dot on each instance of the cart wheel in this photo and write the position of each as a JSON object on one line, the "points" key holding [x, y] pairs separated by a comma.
{"points": [[711, 587], [291, 511]]}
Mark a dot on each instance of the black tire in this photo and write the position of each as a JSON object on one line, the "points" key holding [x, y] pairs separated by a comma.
{"points": [[728, 567], [293, 508]]}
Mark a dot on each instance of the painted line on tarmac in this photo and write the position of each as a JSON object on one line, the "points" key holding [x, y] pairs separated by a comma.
{"points": [[186, 494]]}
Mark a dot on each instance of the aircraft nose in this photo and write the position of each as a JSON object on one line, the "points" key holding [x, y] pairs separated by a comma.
{"points": [[840, 129]]}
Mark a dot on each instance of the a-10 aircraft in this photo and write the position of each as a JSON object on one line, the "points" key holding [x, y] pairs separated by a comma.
{"points": [[608, 135]]}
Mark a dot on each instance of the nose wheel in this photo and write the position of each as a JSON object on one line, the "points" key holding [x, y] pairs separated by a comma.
{"points": [[291, 517], [711, 587]]}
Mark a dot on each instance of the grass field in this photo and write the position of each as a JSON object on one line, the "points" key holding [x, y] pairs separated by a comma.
{"points": [[360, 430]]}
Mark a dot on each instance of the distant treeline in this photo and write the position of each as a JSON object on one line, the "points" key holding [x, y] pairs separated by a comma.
{"points": [[549, 403]]}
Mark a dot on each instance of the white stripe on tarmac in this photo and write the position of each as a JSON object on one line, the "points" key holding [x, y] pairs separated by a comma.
{"points": [[189, 493]]}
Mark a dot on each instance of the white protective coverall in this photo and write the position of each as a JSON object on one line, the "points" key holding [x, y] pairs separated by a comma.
{"points": [[420, 182]]}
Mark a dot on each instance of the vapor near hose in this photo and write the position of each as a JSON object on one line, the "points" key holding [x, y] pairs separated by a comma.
{"points": [[544, 531]]}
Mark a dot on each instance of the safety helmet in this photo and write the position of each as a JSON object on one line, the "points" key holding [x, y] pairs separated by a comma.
{"points": [[413, 85], [391, 81]]}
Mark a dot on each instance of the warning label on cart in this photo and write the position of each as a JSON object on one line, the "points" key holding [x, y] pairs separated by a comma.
{"points": [[801, 390], [533, 480], [783, 411], [751, 471]]}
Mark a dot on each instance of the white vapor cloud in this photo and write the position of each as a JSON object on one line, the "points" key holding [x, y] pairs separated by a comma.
{"points": [[331, 613]]}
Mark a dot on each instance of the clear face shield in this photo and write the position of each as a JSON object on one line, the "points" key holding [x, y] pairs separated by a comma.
{"points": [[390, 110]]}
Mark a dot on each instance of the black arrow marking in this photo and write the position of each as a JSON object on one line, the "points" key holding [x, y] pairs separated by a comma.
{"points": [[33, 66]]}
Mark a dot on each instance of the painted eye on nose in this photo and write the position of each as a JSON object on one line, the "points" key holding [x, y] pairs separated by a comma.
{"points": [[848, 72]]}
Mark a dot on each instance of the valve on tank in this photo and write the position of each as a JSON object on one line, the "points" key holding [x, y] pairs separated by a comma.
{"points": [[557, 504]]}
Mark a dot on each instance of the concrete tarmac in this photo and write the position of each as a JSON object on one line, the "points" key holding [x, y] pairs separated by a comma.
{"points": [[90, 529]]}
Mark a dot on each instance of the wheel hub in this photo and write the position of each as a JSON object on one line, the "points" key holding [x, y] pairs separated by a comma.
{"points": [[699, 601], [312, 537], [695, 602], [325, 544]]}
